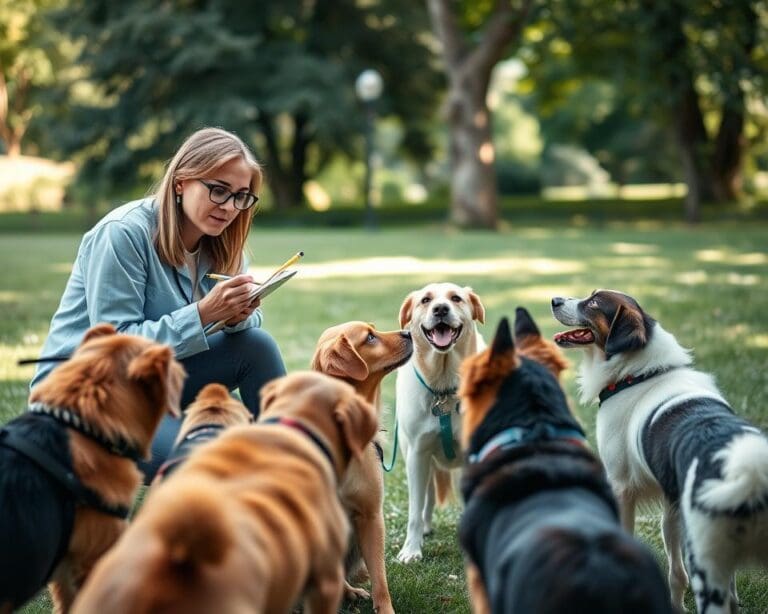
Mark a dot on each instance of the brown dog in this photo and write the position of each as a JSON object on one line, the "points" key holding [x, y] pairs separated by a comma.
{"points": [[75, 451], [531, 344], [251, 522], [213, 410], [359, 354]]}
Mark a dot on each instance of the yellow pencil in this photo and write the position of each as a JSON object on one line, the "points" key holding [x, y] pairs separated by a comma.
{"points": [[217, 276], [292, 260]]}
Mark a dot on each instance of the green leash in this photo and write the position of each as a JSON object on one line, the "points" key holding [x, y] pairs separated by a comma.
{"points": [[444, 417], [394, 450]]}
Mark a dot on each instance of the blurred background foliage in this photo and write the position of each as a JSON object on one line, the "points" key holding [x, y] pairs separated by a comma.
{"points": [[585, 98]]}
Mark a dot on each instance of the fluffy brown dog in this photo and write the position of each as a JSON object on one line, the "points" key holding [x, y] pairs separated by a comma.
{"points": [[359, 354], [212, 411], [251, 522], [67, 466]]}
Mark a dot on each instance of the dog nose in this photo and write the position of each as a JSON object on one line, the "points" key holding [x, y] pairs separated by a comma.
{"points": [[558, 301], [405, 333], [440, 310]]}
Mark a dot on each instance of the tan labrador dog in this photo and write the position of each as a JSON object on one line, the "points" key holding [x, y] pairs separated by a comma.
{"points": [[441, 318], [251, 522], [361, 355]]}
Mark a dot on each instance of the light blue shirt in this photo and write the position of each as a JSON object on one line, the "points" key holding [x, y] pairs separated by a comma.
{"points": [[118, 278]]}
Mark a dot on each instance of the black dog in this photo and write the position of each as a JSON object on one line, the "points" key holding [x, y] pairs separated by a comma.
{"points": [[541, 525]]}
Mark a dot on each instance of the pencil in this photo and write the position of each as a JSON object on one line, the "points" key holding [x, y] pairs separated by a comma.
{"points": [[292, 260], [217, 276]]}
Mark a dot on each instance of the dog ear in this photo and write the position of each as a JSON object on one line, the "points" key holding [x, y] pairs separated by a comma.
{"points": [[627, 332], [502, 341], [99, 330], [358, 422], [478, 311], [406, 310], [151, 368], [524, 324], [340, 359], [268, 394]]}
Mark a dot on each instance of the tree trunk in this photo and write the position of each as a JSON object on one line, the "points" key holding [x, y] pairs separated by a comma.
{"points": [[727, 157], [286, 181], [473, 176]]}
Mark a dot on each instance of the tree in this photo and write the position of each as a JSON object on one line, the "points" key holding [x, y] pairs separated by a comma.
{"points": [[278, 73], [29, 60], [692, 67], [468, 67]]}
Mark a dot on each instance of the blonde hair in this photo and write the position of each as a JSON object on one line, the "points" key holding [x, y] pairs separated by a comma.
{"points": [[200, 155]]}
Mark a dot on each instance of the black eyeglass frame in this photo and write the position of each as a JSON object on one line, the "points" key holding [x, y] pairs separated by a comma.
{"points": [[213, 186]]}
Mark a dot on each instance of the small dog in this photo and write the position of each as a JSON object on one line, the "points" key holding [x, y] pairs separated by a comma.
{"points": [[362, 356], [251, 522], [67, 467], [665, 430], [441, 318], [212, 411], [541, 528]]}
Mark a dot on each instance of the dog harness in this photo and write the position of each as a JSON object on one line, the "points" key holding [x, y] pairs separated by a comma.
{"points": [[286, 421], [629, 381], [517, 436], [198, 435], [443, 414]]}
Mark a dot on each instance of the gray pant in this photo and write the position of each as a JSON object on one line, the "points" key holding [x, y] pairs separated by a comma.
{"points": [[245, 360]]}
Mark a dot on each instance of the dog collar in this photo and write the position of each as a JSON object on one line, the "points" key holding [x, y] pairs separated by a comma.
{"points": [[517, 436], [300, 427], [119, 446], [629, 381]]}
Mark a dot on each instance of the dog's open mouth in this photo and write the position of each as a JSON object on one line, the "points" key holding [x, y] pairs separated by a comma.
{"points": [[578, 336], [442, 336]]}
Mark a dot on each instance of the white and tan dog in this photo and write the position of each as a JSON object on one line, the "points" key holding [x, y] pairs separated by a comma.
{"points": [[665, 431], [441, 318]]}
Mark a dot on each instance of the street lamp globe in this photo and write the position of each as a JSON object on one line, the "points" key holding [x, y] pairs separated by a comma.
{"points": [[369, 85]]}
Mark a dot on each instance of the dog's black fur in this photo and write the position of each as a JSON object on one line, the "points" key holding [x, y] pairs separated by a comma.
{"points": [[37, 511], [541, 523]]}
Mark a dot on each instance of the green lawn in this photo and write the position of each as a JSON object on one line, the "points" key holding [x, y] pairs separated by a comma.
{"points": [[708, 285]]}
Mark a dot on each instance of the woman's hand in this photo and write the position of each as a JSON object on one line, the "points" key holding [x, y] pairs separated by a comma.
{"points": [[228, 300], [245, 313]]}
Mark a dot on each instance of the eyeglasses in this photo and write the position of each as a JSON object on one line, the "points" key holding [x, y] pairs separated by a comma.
{"points": [[219, 195]]}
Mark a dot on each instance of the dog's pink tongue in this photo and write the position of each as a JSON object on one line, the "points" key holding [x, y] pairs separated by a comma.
{"points": [[442, 336]]}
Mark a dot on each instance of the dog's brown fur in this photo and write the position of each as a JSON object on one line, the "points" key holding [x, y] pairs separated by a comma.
{"points": [[359, 354], [213, 405], [481, 379], [251, 522], [121, 385]]}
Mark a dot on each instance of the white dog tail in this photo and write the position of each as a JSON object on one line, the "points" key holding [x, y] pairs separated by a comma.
{"points": [[744, 479]]}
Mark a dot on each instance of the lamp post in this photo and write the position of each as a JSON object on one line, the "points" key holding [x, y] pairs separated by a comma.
{"points": [[368, 87]]}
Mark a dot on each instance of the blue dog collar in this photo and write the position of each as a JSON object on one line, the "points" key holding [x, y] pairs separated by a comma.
{"points": [[517, 436]]}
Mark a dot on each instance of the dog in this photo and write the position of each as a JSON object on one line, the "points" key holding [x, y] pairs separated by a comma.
{"points": [[442, 320], [665, 431], [362, 356], [67, 466], [212, 411], [541, 528], [530, 343], [251, 522]]}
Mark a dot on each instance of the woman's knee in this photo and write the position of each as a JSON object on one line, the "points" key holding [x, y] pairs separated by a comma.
{"points": [[258, 349]]}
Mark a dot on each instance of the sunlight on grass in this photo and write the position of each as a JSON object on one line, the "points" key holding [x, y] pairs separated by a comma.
{"points": [[405, 265], [633, 249], [757, 341]]}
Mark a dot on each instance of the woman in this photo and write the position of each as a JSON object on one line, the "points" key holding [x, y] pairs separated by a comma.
{"points": [[143, 269]]}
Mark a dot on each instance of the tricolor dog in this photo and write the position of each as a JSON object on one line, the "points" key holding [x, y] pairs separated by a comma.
{"points": [[441, 318], [665, 430]]}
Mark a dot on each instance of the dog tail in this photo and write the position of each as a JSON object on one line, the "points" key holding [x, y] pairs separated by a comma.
{"points": [[443, 487], [744, 476], [195, 528]]}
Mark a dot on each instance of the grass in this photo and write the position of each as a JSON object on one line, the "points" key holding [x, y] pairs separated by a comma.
{"points": [[709, 285]]}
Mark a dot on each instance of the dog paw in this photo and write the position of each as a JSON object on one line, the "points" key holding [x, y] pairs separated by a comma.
{"points": [[353, 593], [409, 555]]}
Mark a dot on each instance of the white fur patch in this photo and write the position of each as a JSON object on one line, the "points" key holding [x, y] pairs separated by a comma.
{"points": [[745, 474]]}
